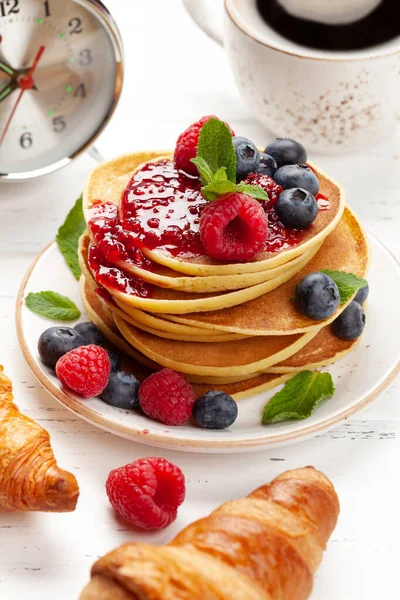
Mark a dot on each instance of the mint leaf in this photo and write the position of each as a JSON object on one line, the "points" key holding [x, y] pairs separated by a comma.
{"points": [[347, 283], [68, 237], [220, 175], [206, 175], [216, 163], [299, 397], [216, 148], [213, 190], [252, 190], [53, 306]]}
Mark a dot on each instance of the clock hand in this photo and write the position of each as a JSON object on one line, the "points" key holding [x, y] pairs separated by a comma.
{"points": [[7, 90], [25, 83], [7, 69]]}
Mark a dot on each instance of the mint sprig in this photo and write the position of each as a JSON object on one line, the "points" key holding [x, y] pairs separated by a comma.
{"points": [[216, 163], [68, 237], [216, 148], [53, 306], [299, 397], [348, 284]]}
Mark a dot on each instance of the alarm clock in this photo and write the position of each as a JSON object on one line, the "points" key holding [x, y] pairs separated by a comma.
{"points": [[61, 76]]}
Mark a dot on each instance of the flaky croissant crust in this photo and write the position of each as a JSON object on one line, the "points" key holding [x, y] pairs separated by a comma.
{"points": [[263, 547], [30, 479]]}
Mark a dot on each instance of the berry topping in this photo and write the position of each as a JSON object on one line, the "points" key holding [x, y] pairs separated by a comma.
{"points": [[317, 296], [234, 227], [268, 184], [293, 176], [147, 493], [90, 333], [122, 390], [85, 370], [297, 208], [247, 157], [350, 324], [286, 152], [57, 341], [115, 361], [362, 295], [186, 146], [268, 164], [215, 410], [168, 397]]}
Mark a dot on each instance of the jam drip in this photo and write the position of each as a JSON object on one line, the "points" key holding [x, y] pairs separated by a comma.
{"points": [[116, 244], [114, 277]]}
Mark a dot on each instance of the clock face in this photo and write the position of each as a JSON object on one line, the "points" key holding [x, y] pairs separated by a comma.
{"points": [[59, 80]]}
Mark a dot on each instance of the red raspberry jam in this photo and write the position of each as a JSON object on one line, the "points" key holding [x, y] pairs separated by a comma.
{"points": [[279, 237], [115, 243], [161, 209], [110, 276]]}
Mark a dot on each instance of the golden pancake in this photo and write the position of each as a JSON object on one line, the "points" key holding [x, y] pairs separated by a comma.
{"points": [[169, 301], [345, 249], [162, 327], [225, 359], [167, 278], [216, 336], [108, 181], [324, 349], [142, 367], [101, 317]]}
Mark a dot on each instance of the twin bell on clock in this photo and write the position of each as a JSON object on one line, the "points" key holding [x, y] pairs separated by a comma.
{"points": [[61, 75]]}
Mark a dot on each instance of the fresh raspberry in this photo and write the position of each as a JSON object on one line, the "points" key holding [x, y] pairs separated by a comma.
{"points": [[272, 188], [186, 146], [166, 396], [234, 227], [85, 370], [147, 493]]}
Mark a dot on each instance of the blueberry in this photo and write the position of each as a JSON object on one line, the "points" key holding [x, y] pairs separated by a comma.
{"points": [[292, 176], [362, 295], [114, 360], [57, 341], [296, 208], [317, 296], [247, 157], [122, 390], [215, 410], [268, 165], [90, 333], [287, 152], [350, 324]]}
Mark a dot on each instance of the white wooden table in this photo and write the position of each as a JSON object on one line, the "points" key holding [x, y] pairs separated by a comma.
{"points": [[182, 76]]}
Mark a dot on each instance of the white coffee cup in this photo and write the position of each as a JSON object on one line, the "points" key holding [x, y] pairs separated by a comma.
{"points": [[334, 102]]}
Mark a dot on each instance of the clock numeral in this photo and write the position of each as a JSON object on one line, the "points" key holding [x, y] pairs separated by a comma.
{"points": [[59, 124], [80, 91], [46, 8], [9, 7], [75, 25], [26, 140], [86, 57]]}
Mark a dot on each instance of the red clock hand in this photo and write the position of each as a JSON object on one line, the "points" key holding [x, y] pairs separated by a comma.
{"points": [[25, 83]]}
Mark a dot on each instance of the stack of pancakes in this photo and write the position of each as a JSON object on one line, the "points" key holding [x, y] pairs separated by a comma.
{"points": [[226, 326]]}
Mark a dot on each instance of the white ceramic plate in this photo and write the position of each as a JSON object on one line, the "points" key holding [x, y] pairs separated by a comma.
{"points": [[359, 378]]}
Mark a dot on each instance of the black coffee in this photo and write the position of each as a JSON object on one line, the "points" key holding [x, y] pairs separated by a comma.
{"points": [[378, 27]]}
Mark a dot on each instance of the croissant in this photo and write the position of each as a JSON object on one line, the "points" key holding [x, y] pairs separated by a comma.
{"points": [[29, 476], [264, 547]]}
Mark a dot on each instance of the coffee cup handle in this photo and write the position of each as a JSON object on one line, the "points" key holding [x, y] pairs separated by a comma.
{"points": [[208, 15]]}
